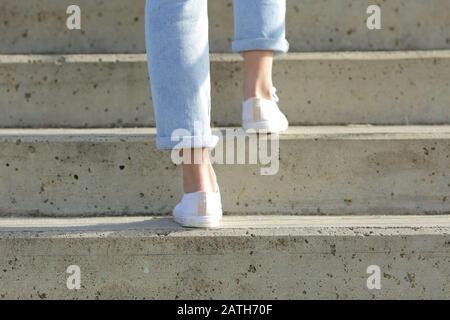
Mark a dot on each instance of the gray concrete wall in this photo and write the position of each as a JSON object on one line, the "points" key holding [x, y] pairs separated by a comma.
{"points": [[332, 88], [329, 170], [155, 259], [331, 25]]}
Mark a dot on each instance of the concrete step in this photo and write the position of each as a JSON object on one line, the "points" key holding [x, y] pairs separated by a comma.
{"points": [[251, 257], [315, 88], [321, 170], [118, 26]]}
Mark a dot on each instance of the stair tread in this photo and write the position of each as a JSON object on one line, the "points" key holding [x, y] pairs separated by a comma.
{"points": [[322, 170], [337, 88], [232, 226], [252, 257], [294, 132], [310, 25], [224, 57]]}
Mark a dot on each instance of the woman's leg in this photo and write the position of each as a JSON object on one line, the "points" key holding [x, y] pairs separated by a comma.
{"points": [[198, 175], [259, 34], [178, 61], [258, 74]]}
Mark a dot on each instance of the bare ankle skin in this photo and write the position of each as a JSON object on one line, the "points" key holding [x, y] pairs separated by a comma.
{"points": [[258, 74], [198, 173]]}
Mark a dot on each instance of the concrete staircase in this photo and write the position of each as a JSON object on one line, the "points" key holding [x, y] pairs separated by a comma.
{"points": [[363, 179]]}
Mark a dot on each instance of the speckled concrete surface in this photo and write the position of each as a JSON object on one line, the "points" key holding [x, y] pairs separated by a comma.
{"points": [[369, 174], [315, 88], [322, 170], [326, 25], [252, 257]]}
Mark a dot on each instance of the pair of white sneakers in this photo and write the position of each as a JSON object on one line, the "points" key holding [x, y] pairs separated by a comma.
{"points": [[204, 209]]}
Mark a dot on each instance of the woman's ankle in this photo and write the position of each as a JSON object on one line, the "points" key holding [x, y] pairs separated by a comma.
{"points": [[253, 90], [258, 74], [198, 176]]}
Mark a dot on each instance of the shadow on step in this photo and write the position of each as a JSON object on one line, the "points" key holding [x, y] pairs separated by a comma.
{"points": [[150, 225]]}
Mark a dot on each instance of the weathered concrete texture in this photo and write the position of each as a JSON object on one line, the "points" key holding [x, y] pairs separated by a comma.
{"points": [[322, 170], [152, 258], [327, 25], [323, 88]]}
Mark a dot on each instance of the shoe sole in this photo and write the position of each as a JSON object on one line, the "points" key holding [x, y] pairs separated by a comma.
{"points": [[265, 126], [198, 222]]}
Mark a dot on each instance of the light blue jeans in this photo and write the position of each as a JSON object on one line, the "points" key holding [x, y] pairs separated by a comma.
{"points": [[178, 61]]}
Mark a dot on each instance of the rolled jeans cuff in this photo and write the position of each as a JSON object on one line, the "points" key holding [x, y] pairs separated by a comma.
{"points": [[186, 142], [278, 46]]}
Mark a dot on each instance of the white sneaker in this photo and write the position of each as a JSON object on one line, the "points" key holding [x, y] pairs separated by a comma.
{"points": [[263, 115], [199, 209]]}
